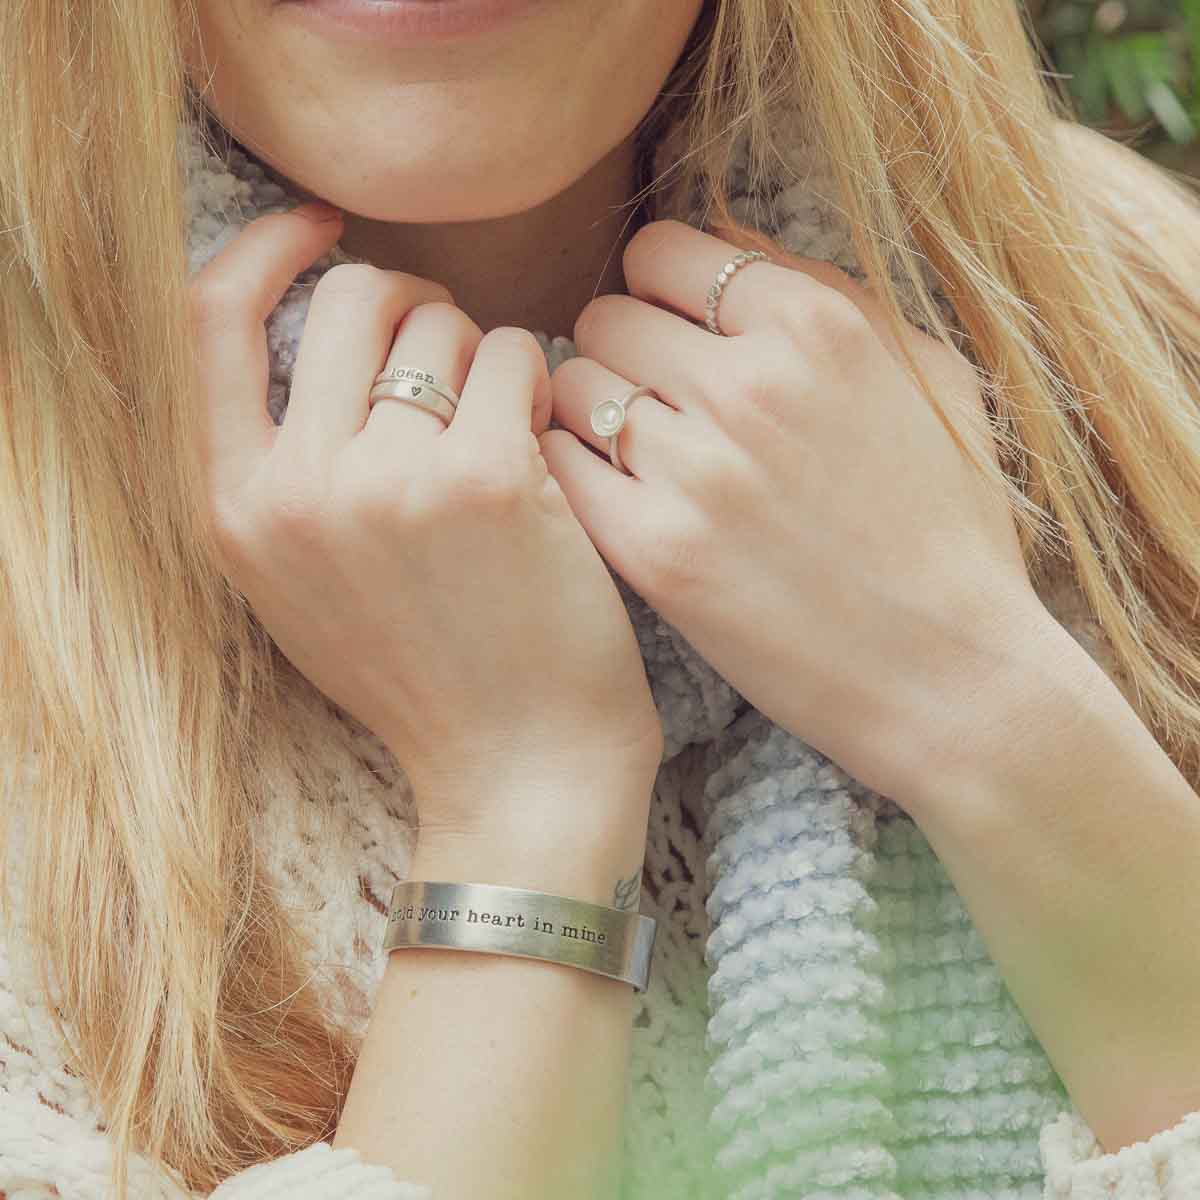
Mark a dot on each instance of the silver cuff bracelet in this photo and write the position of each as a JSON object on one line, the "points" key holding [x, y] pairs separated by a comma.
{"points": [[508, 920]]}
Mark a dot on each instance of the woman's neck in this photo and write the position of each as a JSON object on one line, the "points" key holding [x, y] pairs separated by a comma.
{"points": [[535, 269]]}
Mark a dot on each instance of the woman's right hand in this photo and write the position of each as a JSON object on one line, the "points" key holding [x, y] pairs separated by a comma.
{"points": [[432, 580]]}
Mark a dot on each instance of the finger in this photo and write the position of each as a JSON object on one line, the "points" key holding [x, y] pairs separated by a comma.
{"points": [[673, 264], [231, 297], [649, 441], [657, 348], [608, 505], [507, 393], [349, 329], [830, 276], [676, 265], [933, 356], [436, 337]]}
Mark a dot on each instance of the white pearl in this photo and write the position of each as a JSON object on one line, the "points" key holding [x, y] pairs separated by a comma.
{"points": [[607, 418]]}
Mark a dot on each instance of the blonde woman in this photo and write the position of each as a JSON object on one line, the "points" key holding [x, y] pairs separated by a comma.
{"points": [[244, 661]]}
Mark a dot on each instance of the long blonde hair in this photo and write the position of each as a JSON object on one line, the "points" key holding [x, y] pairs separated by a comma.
{"points": [[142, 692]]}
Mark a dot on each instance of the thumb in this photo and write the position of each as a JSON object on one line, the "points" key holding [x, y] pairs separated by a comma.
{"points": [[230, 299]]}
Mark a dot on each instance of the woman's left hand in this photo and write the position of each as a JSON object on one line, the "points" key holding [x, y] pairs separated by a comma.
{"points": [[795, 507]]}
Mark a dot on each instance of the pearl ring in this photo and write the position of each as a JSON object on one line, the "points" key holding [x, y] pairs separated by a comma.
{"points": [[608, 419]]}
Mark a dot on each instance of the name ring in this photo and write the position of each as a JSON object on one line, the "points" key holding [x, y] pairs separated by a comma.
{"points": [[415, 386]]}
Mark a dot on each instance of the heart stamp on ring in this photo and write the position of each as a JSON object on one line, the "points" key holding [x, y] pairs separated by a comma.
{"points": [[416, 391]]}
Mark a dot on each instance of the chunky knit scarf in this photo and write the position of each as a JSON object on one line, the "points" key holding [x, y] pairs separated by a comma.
{"points": [[863, 1045]]}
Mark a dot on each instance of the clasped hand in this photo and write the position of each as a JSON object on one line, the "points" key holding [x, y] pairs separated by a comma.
{"points": [[796, 508]]}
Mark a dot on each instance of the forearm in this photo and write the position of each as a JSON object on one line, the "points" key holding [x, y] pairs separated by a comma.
{"points": [[497, 1076], [1074, 843]]}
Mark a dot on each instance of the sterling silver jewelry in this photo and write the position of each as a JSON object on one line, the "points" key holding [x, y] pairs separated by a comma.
{"points": [[417, 375], [418, 395], [494, 919], [713, 300], [608, 419], [415, 386]]}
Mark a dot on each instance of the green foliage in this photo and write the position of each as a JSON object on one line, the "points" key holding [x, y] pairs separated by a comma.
{"points": [[1129, 63]]}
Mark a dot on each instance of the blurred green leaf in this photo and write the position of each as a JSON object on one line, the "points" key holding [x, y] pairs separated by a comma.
{"points": [[1121, 70], [1087, 78], [1129, 63], [1191, 15]]}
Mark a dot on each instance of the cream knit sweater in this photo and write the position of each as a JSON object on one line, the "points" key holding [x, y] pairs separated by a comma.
{"points": [[976, 1111]]}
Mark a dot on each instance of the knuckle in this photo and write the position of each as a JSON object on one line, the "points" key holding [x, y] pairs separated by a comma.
{"points": [[438, 314], [708, 468], [514, 339], [677, 558], [445, 296], [293, 511], [487, 486], [642, 235], [228, 526], [361, 494], [592, 313], [836, 322], [650, 235], [570, 367], [764, 384], [434, 310], [351, 280], [651, 231], [513, 358], [213, 301]]}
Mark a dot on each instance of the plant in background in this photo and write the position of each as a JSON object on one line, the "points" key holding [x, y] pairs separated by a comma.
{"points": [[1130, 65]]}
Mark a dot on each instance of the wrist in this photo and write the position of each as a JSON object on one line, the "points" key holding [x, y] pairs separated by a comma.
{"points": [[1004, 723], [609, 874], [581, 834]]}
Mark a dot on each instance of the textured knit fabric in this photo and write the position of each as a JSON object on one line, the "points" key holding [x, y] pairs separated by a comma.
{"points": [[823, 1019]]}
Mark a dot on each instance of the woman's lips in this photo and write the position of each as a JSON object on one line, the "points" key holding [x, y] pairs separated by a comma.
{"points": [[402, 22]]}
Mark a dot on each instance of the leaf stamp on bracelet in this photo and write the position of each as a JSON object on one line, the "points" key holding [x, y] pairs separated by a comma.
{"points": [[472, 916]]}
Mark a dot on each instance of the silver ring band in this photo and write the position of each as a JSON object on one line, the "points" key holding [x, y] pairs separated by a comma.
{"points": [[608, 419], [400, 373], [713, 300], [420, 395], [494, 919]]}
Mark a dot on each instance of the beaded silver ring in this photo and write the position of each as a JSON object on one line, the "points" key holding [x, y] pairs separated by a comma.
{"points": [[713, 300]]}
